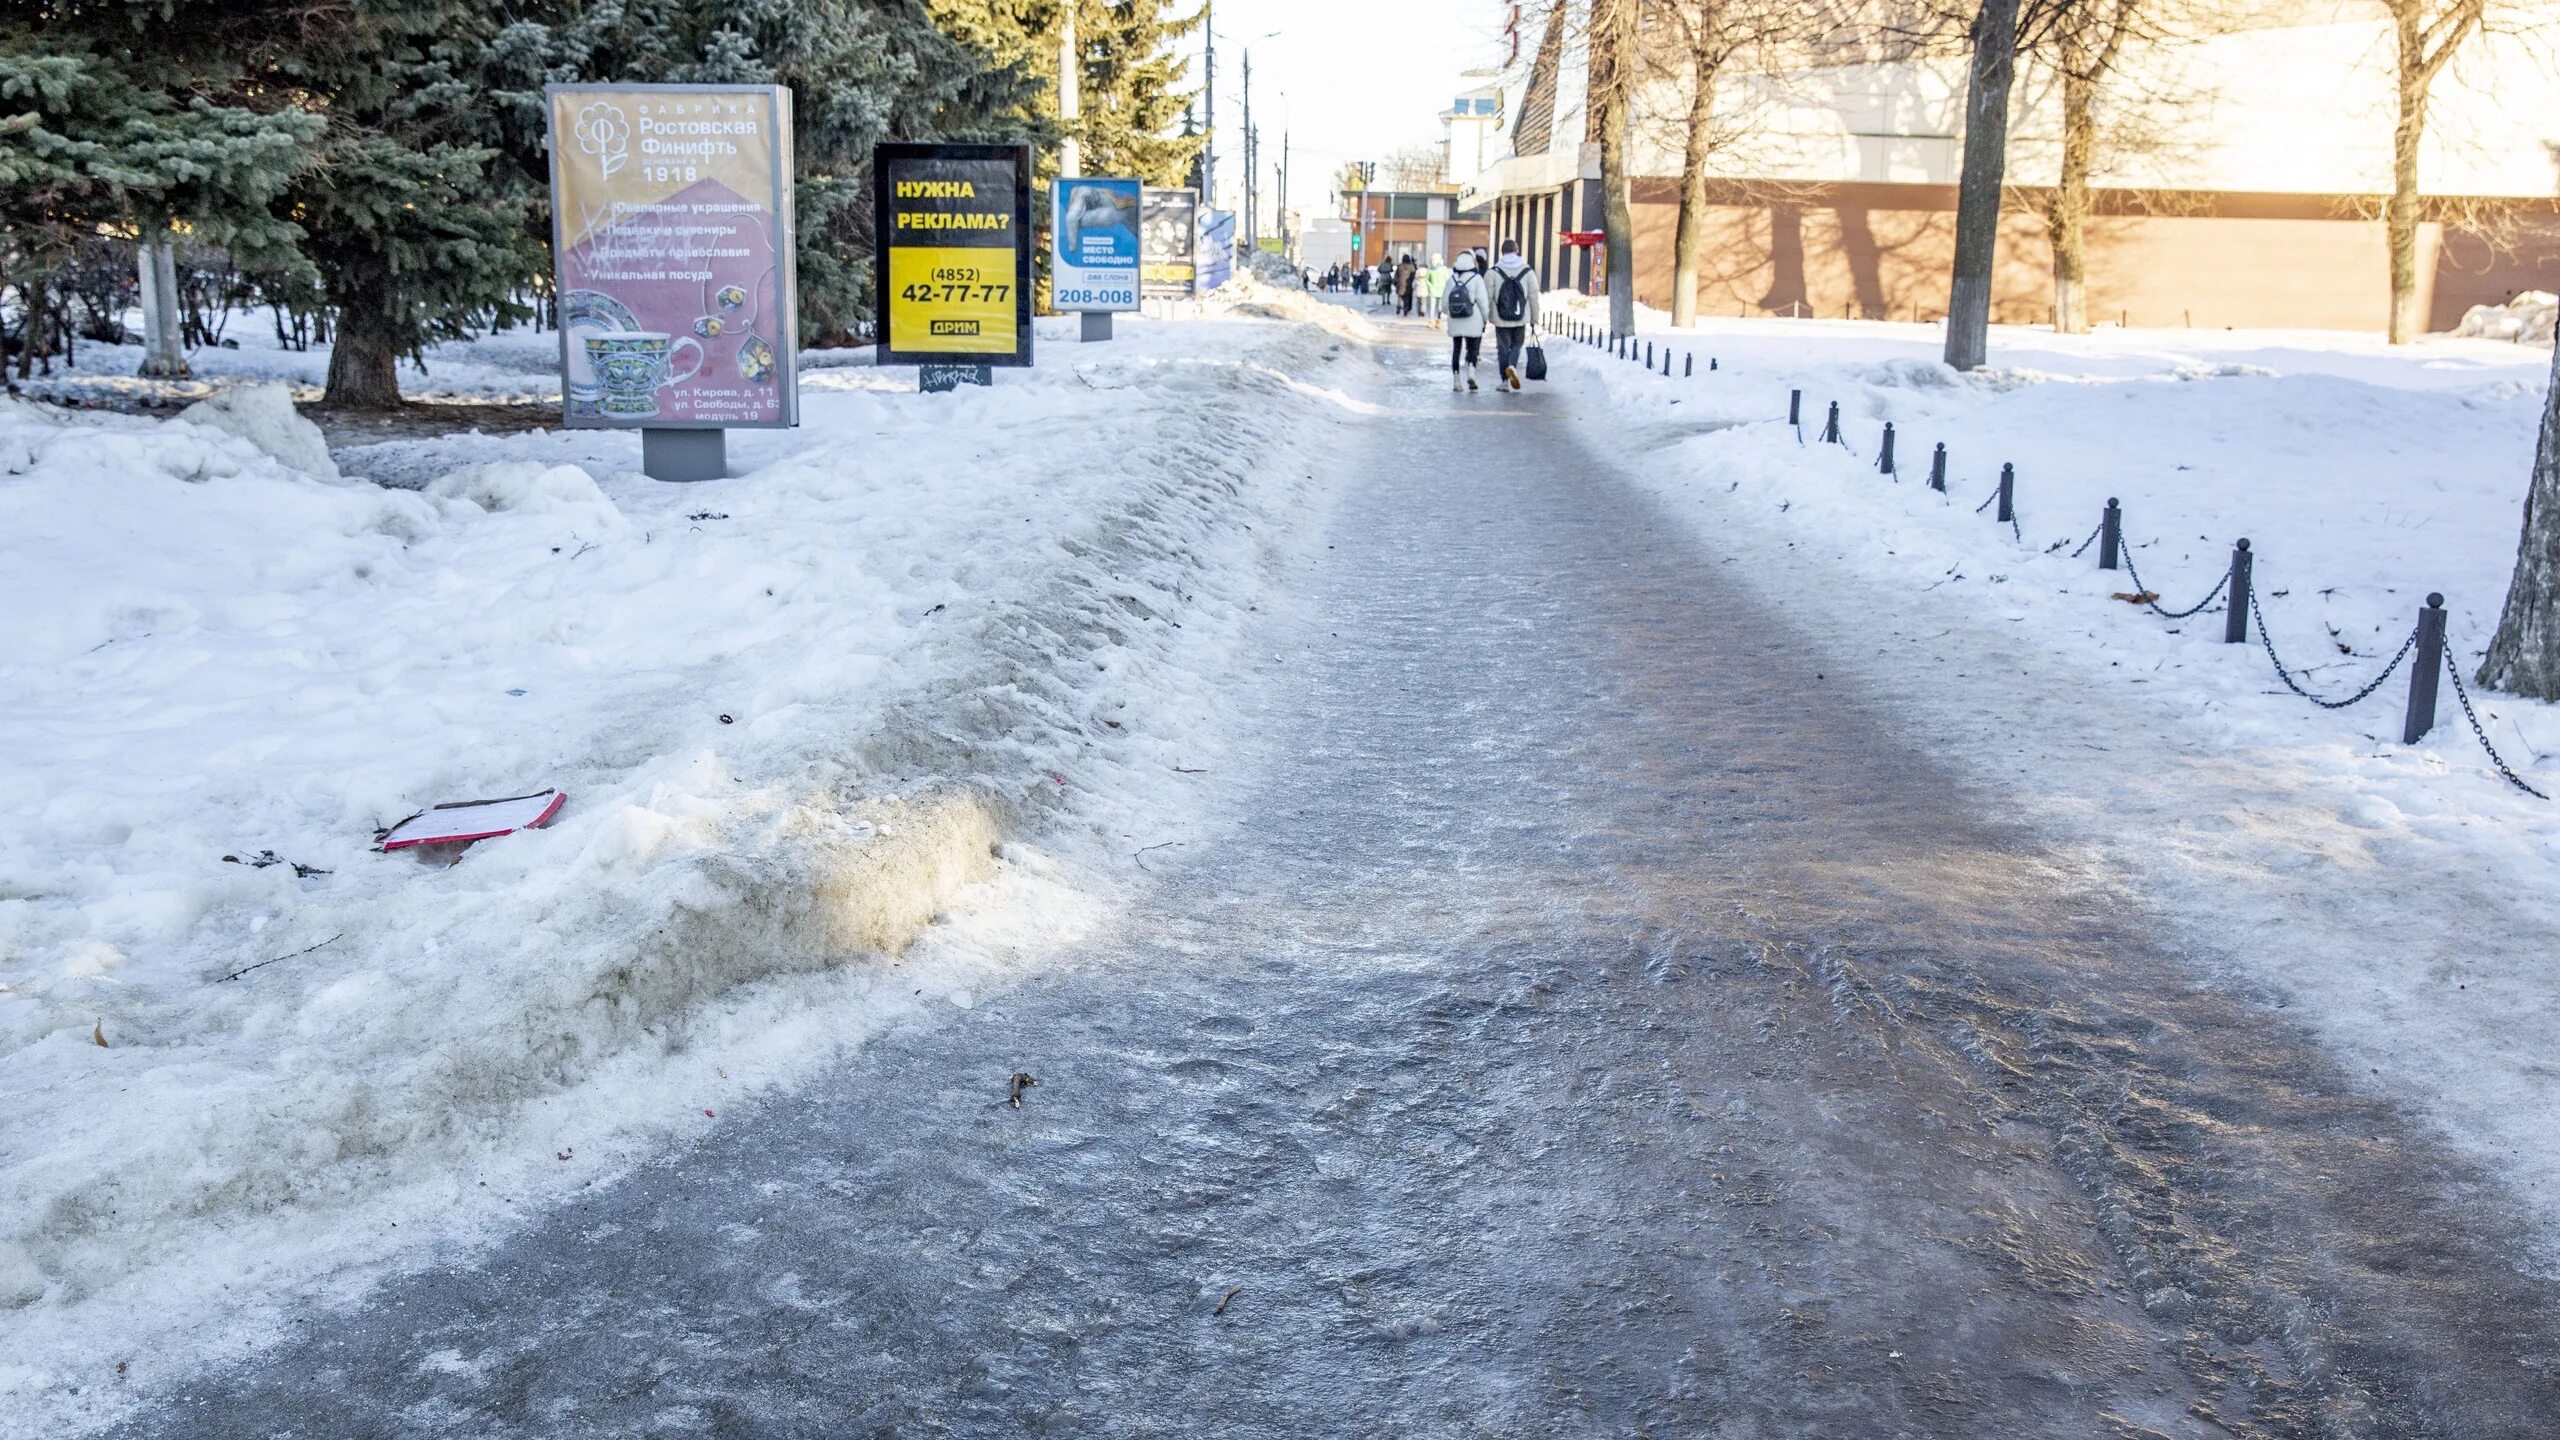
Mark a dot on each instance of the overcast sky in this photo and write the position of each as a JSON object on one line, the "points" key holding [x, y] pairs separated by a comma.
{"points": [[1361, 79]]}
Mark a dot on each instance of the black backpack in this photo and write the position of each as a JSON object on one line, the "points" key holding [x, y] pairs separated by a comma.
{"points": [[1511, 303], [1462, 306]]}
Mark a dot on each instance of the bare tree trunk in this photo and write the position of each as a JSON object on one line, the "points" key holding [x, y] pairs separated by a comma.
{"points": [[33, 322], [164, 352], [2524, 656], [1986, 160], [1613, 40], [364, 361], [1691, 237], [2400, 220], [2067, 222]]}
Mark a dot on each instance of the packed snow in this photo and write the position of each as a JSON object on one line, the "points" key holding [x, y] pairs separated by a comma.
{"points": [[800, 716], [2400, 897], [2528, 319]]}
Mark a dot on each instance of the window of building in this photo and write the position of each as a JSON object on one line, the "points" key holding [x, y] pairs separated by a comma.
{"points": [[1408, 207], [1486, 105]]}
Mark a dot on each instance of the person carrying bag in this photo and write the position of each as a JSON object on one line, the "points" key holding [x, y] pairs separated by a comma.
{"points": [[1467, 302], [1514, 288]]}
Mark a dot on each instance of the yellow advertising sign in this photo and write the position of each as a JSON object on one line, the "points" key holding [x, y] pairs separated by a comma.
{"points": [[954, 277], [949, 299]]}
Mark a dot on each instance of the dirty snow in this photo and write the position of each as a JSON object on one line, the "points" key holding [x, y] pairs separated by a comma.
{"points": [[800, 715]]}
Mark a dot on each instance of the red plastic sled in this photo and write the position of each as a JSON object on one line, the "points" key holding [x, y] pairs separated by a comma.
{"points": [[463, 821]]}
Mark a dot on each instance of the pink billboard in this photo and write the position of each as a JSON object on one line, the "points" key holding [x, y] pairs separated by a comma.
{"points": [[671, 234]]}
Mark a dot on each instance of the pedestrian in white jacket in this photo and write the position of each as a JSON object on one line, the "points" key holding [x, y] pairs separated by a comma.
{"points": [[1514, 287], [1468, 304]]}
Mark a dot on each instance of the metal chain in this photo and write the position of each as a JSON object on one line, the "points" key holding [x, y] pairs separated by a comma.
{"points": [[2141, 589], [2268, 643], [2480, 734]]}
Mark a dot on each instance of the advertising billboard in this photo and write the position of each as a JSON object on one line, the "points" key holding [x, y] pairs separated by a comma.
{"points": [[1217, 248], [953, 283], [671, 243], [1169, 241], [1093, 233]]}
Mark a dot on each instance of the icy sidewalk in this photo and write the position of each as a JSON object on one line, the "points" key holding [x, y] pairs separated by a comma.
{"points": [[795, 713], [2401, 897]]}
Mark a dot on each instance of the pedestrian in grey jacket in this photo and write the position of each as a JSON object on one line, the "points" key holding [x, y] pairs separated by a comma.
{"points": [[1468, 305], [1514, 287]]}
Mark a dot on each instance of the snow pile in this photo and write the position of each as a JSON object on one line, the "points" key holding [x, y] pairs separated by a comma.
{"points": [[2398, 898], [2527, 319], [795, 713], [263, 415]]}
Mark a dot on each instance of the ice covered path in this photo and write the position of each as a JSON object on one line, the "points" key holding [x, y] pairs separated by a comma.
{"points": [[1589, 1021]]}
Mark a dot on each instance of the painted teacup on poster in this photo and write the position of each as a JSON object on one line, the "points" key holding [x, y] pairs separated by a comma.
{"points": [[671, 232]]}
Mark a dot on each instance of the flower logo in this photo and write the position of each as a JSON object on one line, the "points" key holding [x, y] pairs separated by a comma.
{"points": [[603, 132]]}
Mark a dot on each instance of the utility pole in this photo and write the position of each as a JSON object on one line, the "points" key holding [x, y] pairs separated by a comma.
{"points": [[1070, 154], [1249, 208], [1283, 219], [1209, 64]]}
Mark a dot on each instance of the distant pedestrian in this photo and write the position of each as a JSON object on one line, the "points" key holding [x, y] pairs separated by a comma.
{"points": [[1406, 273], [1435, 292], [1515, 310], [1467, 302]]}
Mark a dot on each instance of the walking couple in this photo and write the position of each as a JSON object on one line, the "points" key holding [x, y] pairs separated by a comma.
{"points": [[1506, 299]]}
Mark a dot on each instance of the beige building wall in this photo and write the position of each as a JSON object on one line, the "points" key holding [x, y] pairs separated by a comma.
{"points": [[1882, 251]]}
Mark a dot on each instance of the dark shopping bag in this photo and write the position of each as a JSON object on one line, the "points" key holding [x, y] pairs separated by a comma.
{"points": [[1533, 363]]}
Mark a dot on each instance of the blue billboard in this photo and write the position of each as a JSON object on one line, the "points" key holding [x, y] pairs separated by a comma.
{"points": [[1093, 237], [1217, 248]]}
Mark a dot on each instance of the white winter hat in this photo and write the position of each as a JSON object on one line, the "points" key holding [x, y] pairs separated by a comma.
{"points": [[1464, 261]]}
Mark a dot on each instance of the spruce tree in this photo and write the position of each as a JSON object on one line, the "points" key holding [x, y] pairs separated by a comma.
{"points": [[419, 229], [1132, 101], [106, 126]]}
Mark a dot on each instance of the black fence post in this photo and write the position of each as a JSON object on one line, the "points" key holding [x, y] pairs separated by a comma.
{"points": [[1711, 362], [1884, 454], [1688, 366], [1831, 427], [1648, 354], [2111, 536], [2235, 621], [1795, 408], [2429, 663], [1938, 468], [1666, 362], [2007, 514]]}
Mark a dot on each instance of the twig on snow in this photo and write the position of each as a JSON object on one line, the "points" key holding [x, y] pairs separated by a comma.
{"points": [[296, 955]]}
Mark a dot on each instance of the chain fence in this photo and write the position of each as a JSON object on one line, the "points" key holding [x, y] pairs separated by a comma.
{"points": [[2432, 653]]}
